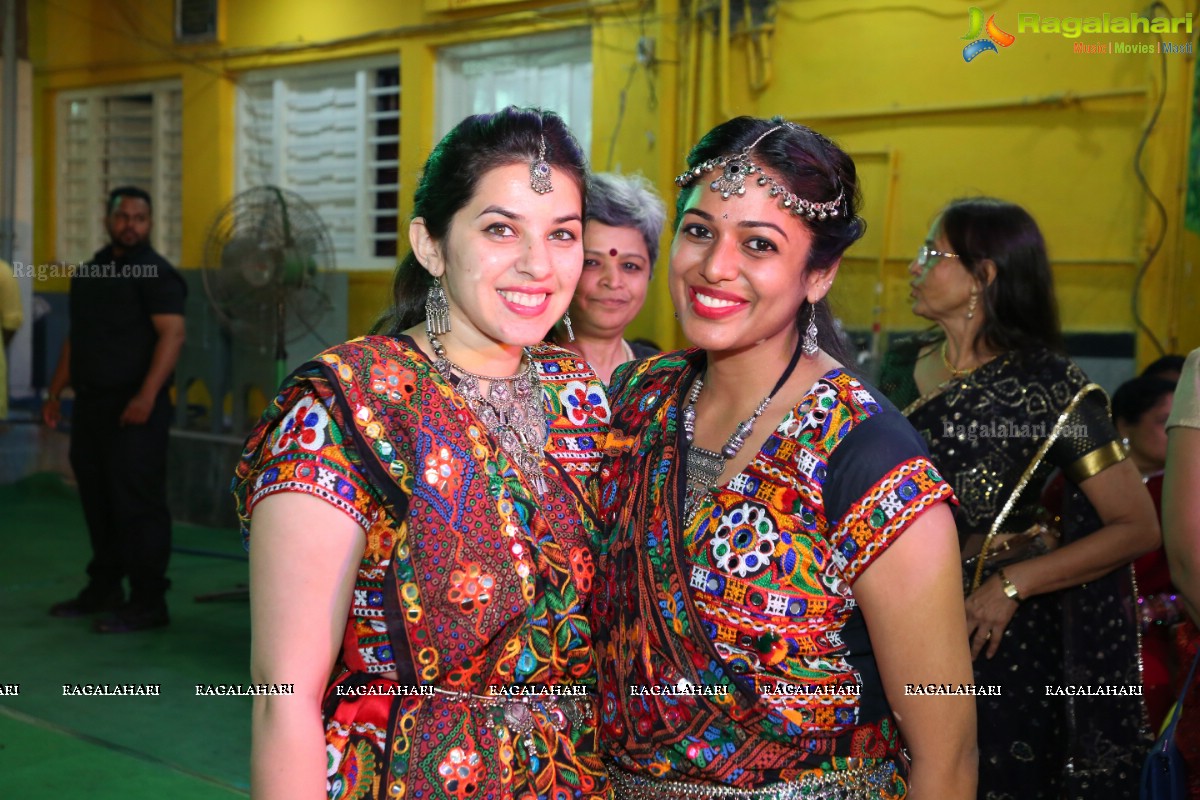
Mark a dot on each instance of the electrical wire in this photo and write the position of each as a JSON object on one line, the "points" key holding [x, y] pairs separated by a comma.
{"points": [[612, 142], [1164, 217], [624, 95], [857, 9]]}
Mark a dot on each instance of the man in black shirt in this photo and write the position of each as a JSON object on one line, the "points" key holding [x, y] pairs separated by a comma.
{"points": [[126, 331]]}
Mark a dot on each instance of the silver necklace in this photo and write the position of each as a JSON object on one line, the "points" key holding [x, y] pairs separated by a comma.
{"points": [[511, 410], [705, 466]]}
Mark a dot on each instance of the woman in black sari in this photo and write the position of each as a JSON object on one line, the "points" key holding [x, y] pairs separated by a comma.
{"points": [[1048, 601]]}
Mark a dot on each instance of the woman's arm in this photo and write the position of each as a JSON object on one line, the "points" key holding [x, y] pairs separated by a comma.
{"points": [[1130, 528], [304, 556], [911, 598], [1181, 514]]}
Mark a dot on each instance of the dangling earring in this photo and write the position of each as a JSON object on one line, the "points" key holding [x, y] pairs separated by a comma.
{"points": [[1125, 444], [437, 310], [971, 303], [810, 333], [567, 325]]}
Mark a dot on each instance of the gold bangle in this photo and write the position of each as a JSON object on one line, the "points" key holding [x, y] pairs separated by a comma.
{"points": [[1010, 588]]}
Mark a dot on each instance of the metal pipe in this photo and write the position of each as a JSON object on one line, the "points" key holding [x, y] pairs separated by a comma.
{"points": [[723, 64], [880, 307], [1060, 100], [693, 80], [758, 59]]}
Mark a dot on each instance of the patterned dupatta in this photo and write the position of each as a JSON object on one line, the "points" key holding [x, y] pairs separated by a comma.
{"points": [[470, 578], [650, 634]]}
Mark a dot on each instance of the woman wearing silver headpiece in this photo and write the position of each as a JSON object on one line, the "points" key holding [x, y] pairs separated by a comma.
{"points": [[779, 612], [420, 548]]}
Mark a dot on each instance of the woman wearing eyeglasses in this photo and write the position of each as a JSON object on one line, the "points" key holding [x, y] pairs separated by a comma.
{"points": [[1048, 601]]}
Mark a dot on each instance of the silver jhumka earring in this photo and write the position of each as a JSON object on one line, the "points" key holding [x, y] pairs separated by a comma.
{"points": [[567, 325], [437, 310], [810, 346]]}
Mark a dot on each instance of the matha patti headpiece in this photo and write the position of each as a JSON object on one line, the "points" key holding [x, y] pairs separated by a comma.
{"points": [[737, 168], [539, 171]]}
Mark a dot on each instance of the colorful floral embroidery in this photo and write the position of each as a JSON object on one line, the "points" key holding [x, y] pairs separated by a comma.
{"points": [[470, 588], [303, 427], [393, 381], [461, 772], [744, 540], [470, 577], [760, 578], [442, 473], [582, 401]]}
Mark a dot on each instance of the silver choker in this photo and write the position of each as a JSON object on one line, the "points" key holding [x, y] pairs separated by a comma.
{"points": [[511, 410]]}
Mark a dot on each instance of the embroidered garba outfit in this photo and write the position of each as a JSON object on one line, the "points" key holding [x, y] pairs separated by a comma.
{"points": [[734, 660], [997, 435], [472, 581]]}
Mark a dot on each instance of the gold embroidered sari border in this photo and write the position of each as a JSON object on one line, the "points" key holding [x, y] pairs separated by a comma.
{"points": [[1095, 462], [1019, 489]]}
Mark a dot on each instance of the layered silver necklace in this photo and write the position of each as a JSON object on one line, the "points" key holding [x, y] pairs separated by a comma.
{"points": [[511, 410], [705, 466]]}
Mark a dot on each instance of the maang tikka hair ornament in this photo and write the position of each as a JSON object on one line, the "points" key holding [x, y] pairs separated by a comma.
{"points": [[539, 170], [736, 169]]}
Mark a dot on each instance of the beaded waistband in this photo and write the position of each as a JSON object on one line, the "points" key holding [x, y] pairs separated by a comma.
{"points": [[561, 710], [859, 783]]}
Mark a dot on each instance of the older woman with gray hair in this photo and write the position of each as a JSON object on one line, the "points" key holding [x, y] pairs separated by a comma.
{"points": [[623, 222]]}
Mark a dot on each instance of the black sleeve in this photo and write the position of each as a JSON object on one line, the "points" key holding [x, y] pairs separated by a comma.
{"points": [[164, 292], [1087, 442], [868, 453]]}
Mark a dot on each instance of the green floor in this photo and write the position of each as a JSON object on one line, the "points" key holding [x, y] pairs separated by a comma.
{"points": [[175, 745]]}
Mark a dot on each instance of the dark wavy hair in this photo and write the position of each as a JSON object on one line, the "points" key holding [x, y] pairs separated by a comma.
{"points": [[1020, 311], [810, 166], [464, 155], [1135, 397]]}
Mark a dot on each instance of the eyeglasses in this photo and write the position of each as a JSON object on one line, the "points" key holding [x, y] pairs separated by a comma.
{"points": [[927, 254]]}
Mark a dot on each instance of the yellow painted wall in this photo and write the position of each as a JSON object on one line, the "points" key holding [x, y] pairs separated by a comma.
{"points": [[1035, 123]]}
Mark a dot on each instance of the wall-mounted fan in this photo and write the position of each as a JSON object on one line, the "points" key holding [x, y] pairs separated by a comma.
{"points": [[268, 257]]}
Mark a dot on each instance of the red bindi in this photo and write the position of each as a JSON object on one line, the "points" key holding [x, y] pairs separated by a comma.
{"points": [[612, 252]]}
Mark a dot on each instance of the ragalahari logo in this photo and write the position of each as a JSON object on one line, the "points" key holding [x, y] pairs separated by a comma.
{"points": [[995, 36]]}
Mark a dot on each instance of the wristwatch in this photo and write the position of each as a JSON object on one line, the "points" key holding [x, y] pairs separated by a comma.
{"points": [[1010, 588]]}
